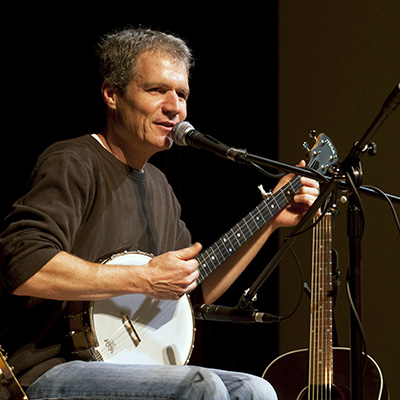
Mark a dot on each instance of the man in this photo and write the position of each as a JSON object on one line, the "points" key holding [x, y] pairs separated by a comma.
{"points": [[96, 195]]}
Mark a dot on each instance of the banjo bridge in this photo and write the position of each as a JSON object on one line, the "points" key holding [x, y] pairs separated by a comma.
{"points": [[130, 329]]}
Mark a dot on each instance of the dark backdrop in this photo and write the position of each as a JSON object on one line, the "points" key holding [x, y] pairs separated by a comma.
{"points": [[53, 93]]}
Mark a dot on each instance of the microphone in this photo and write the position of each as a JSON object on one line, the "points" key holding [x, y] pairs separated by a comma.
{"points": [[184, 134], [232, 314]]}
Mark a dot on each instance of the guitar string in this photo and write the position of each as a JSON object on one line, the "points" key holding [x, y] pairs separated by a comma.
{"points": [[312, 360], [321, 337], [327, 306], [313, 356], [328, 294], [323, 342], [323, 366], [321, 362], [317, 384]]}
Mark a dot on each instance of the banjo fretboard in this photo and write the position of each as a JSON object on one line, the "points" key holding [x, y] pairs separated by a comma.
{"points": [[214, 255]]}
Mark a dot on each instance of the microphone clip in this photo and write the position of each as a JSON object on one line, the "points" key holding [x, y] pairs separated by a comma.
{"points": [[238, 315], [237, 155]]}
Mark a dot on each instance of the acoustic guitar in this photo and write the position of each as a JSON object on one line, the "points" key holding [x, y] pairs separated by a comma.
{"points": [[322, 372], [140, 330]]}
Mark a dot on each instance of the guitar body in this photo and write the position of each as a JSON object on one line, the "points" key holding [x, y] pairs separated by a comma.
{"points": [[289, 376], [133, 329]]}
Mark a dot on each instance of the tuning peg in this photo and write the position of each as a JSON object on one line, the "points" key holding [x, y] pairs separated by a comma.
{"points": [[372, 149], [313, 134], [305, 145]]}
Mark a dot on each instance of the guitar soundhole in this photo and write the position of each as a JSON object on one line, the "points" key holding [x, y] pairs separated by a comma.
{"points": [[323, 392]]}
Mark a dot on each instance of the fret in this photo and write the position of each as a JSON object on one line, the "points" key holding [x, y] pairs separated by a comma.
{"points": [[257, 218], [218, 251], [239, 236], [248, 226], [228, 248], [212, 257]]}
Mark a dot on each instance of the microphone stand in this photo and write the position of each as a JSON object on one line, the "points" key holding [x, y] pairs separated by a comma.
{"points": [[350, 170]]}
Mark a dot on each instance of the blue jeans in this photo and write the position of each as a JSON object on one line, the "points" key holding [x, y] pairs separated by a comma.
{"points": [[101, 381]]}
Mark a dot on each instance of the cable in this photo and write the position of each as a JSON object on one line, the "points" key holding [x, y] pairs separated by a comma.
{"points": [[263, 171], [358, 321], [383, 194], [359, 201], [300, 268]]}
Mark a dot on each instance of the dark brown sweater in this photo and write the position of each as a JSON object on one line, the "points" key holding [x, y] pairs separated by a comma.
{"points": [[86, 202]]}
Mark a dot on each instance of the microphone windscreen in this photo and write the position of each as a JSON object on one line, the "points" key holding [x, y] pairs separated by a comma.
{"points": [[180, 131]]}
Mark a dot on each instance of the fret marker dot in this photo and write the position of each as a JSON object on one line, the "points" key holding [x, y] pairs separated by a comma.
{"points": [[238, 235], [230, 250], [212, 258]]}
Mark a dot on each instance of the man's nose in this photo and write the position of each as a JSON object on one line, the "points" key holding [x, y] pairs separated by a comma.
{"points": [[172, 104]]}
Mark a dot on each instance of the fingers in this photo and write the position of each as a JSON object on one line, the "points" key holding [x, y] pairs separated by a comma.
{"points": [[173, 274], [188, 255], [307, 194], [308, 182], [189, 252], [301, 164]]}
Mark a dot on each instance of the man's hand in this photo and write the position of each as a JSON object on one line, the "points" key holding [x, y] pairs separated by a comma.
{"points": [[173, 274], [301, 202]]}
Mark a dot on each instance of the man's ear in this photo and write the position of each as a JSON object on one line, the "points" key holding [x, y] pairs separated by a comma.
{"points": [[109, 95]]}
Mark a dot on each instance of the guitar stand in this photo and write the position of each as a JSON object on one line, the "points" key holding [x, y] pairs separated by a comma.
{"points": [[348, 175]]}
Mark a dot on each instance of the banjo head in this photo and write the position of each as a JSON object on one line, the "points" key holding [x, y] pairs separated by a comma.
{"points": [[136, 329]]}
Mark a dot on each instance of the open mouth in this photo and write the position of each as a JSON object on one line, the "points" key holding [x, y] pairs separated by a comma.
{"points": [[165, 125]]}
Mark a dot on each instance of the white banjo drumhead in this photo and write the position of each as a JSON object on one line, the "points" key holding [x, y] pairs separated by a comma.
{"points": [[136, 329]]}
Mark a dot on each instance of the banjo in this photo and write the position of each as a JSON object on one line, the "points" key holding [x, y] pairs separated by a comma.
{"points": [[136, 329]]}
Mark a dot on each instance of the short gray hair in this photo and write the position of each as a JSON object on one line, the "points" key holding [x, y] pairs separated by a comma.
{"points": [[119, 52]]}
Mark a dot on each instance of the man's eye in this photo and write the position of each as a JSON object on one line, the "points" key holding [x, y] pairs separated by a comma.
{"points": [[182, 95], [157, 90]]}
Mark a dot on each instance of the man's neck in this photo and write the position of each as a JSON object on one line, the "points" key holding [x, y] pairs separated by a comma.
{"points": [[123, 153]]}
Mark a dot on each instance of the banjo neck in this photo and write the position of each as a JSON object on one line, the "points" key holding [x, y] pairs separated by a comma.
{"points": [[213, 256]]}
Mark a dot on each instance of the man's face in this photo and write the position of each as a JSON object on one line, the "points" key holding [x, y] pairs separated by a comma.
{"points": [[154, 101]]}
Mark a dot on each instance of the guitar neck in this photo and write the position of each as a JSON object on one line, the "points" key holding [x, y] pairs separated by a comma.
{"points": [[213, 256], [321, 335]]}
